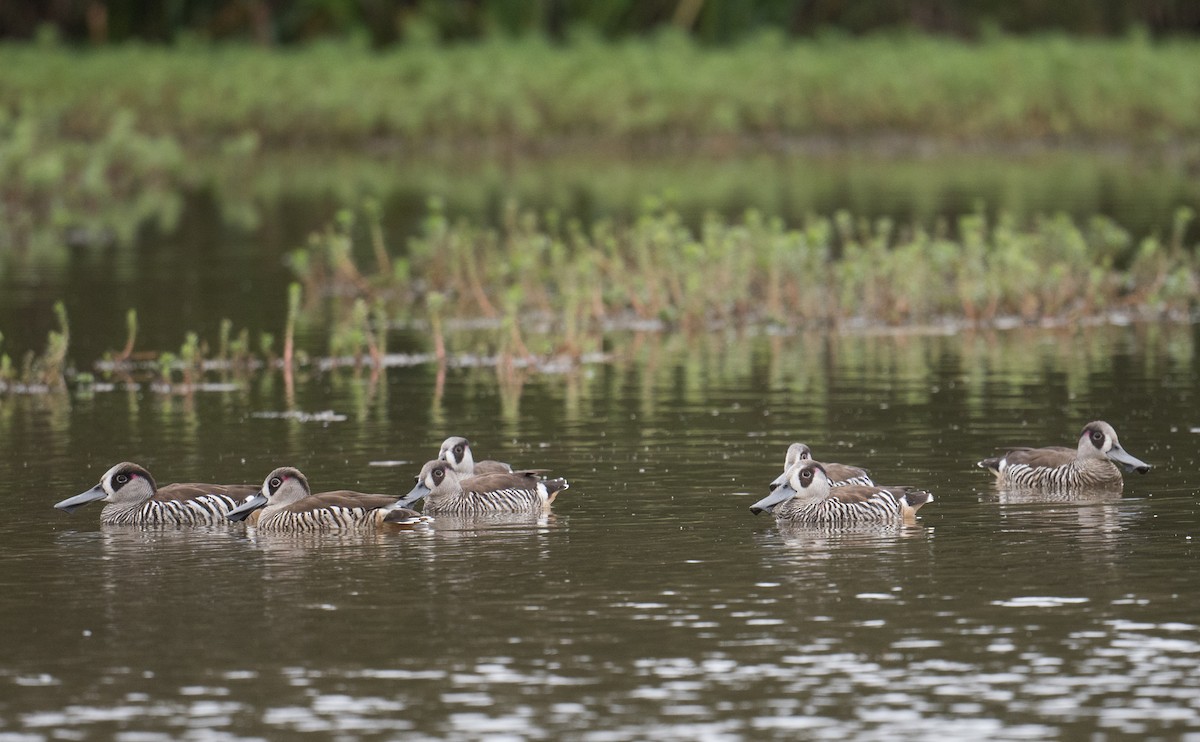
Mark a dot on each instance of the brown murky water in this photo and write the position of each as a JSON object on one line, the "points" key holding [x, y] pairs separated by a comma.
{"points": [[652, 605]]}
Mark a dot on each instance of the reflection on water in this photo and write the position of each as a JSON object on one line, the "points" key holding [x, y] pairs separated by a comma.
{"points": [[651, 604], [220, 253]]}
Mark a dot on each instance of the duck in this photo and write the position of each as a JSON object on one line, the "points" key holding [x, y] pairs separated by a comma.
{"points": [[132, 498], [807, 496], [446, 492], [840, 475], [289, 505], [1093, 463], [456, 451]]}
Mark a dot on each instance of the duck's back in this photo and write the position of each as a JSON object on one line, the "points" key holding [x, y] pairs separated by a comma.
{"points": [[487, 466], [843, 475]]}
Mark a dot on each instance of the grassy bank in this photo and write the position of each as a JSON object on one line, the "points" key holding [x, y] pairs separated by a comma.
{"points": [[95, 143], [530, 94]]}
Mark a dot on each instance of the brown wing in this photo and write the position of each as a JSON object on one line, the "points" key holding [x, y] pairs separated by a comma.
{"points": [[487, 466], [1050, 456], [522, 480], [192, 490], [859, 493], [856, 493], [341, 499], [842, 472]]}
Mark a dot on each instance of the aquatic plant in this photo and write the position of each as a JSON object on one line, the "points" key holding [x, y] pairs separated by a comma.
{"points": [[48, 369], [574, 281]]}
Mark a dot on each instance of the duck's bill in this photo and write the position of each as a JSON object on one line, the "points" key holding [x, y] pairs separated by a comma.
{"points": [[1131, 463], [768, 503], [242, 512], [415, 494], [71, 504]]}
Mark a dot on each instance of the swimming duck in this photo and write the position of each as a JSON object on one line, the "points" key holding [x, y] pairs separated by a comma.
{"points": [[132, 498], [456, 451], [288, 504], [1089, 465], [808, 496], [444, 491], [840, 475]]}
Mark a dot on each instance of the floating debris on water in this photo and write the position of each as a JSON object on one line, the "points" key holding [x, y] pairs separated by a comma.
{"points": [[324, 416], [192, 388]]}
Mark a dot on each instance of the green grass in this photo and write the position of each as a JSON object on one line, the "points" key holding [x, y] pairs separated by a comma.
{"points": [[95, 143], [529, 93]]}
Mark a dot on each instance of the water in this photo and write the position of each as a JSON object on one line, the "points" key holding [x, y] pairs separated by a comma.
{"points": [[652, 604]]}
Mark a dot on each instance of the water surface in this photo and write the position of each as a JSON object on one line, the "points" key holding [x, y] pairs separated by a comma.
{"points": [[652, 604]]}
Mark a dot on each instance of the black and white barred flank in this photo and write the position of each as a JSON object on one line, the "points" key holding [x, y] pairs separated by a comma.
{"points": [[330, 518], [532, 499], [1056, 477], [205, 510], [880, 507]]}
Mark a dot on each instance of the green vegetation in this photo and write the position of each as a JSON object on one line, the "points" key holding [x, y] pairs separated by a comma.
{"points": [[574, 281], [531, 95], [45, 372], [97, 143], [544, 291]]}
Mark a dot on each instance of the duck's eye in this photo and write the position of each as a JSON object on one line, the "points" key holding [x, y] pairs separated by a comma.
{"points": [[275, 482], [121, 478], [438, 474], [458, 450], [806, 475], [1097, 436]]}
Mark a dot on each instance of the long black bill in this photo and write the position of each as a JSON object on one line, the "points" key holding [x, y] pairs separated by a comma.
{"points": [[242, 512]]}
